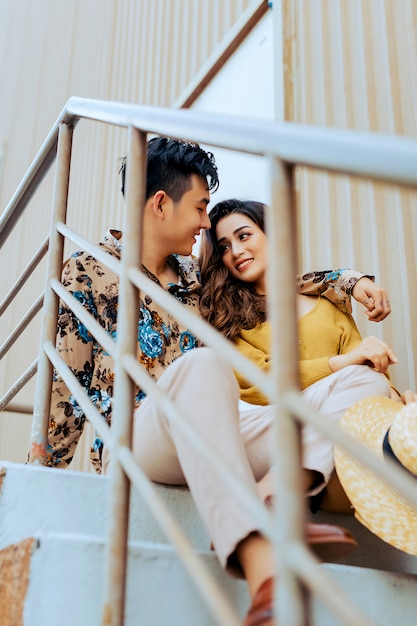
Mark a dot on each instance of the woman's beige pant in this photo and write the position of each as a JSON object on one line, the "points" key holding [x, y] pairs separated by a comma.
{"points": [[205, 391]]}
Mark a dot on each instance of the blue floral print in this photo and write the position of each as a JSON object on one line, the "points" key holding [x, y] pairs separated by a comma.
{"points": [[150, 341], [187, 341]]}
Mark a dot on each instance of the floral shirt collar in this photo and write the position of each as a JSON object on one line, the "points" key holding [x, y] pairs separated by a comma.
{"points": [[186, 267]]}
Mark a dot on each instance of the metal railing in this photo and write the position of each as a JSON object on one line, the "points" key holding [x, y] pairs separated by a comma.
{"points": [[378, 157]]}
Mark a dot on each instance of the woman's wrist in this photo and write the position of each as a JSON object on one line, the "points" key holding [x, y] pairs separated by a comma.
{"points": [[338, 361]]}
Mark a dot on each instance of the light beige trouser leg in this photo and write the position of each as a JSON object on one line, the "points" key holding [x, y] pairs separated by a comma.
{"points": [[205, 390], [333, 396]]}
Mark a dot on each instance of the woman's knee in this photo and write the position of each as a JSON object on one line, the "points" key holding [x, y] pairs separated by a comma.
{"points": [[363, 375]]}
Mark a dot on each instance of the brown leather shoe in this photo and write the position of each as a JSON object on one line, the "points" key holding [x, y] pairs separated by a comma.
{"points": [[328, 542], [261, 610]]}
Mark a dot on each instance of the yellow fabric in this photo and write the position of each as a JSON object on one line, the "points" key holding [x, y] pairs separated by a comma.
{"points": [[322, 332]]}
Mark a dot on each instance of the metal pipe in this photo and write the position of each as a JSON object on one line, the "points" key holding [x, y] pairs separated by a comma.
{"points": [[202, 329], [18, 385], [92, 325], [290, 528], [122, 418], [378, 156], [210, 591], [381, 157], [370, 155], [96, 251], [29, 184], [24, 322], [388, 470], [212, 594], [309, 571], [219, 465], [19, 408], [42, 403], [27, 272]]}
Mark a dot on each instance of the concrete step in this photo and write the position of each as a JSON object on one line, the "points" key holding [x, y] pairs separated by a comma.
{"points": [[386, 598], [56, 579], [38, 499], [52, 500]]}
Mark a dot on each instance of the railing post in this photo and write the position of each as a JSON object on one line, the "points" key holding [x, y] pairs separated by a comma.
{"points": [[42, 402], [122, 419], [289, 513]]}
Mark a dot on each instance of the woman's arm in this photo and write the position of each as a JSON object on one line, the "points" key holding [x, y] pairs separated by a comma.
{"points": [[371, 351]]}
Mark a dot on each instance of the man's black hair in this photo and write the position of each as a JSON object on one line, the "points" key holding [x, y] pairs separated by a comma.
{"points": [[171, 164]]}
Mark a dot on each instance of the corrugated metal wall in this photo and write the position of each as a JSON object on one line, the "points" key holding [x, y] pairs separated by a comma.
{"points": [[353, 64], [347, 63], [141, 51]]}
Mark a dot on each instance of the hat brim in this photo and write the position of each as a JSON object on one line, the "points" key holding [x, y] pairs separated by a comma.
{"points": [[377, 506]]}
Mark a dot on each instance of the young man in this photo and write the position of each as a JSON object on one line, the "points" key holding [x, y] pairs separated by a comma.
{"points": [[180, 177]]}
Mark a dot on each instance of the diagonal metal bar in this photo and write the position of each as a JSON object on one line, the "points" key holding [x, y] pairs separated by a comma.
{"points": [[18, 385], [389, 471], [212, 594], [42, 401], [25, 275], [23, 323], [315, 577]]}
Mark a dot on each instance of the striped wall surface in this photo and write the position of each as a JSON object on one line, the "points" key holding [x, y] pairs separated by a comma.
{"points": [[140, 51], [347, 63], [353, 64]]}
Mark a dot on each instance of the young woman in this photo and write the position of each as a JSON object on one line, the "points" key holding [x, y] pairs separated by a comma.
{"points": [[337, 367]]}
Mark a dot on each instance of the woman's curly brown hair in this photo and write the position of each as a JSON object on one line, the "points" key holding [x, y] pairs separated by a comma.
{"points": [[226, 303]]}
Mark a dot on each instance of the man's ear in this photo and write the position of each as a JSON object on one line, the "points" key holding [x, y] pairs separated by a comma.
{"points": [[159, 200]]}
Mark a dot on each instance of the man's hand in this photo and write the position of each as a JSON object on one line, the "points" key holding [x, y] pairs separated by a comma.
{"points": [[374, 299]]}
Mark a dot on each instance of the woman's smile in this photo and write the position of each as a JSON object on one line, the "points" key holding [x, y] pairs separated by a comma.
{"points": [[243, 246], [242, 265]]}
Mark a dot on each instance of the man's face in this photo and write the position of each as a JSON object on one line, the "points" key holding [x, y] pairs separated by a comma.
{"points": [[188, 217]]}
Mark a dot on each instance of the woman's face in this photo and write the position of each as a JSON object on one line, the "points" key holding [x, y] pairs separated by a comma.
{"points": [[243, 247]]}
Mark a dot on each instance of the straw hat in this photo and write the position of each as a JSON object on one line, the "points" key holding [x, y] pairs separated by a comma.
{"points": [[377, 506]]}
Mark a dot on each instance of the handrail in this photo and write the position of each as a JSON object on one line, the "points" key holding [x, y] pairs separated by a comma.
{"points": [[377, 156], [380, 157]]}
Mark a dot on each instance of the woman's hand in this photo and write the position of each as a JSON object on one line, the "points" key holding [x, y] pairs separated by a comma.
{"points": [[408, 397], [374, 299], [371, 351]]}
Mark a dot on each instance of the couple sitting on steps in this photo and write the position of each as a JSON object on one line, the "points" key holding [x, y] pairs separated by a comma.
{"points": [[337, 367]]}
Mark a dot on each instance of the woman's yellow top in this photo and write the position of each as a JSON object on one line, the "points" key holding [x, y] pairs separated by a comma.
{"points": [[322, 332]]}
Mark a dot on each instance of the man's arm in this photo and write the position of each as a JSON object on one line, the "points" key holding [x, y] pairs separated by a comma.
{"points": [[374, 299], [340, 285]]}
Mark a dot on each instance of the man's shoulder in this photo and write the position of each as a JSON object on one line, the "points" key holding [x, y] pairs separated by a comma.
{"points": [[82, 263], [188, 267]]}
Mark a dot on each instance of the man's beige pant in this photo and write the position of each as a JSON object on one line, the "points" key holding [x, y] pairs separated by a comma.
{"points": [[205, 391]]}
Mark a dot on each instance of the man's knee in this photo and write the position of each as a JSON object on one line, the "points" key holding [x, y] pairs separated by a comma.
{"points": [[204, 359]]}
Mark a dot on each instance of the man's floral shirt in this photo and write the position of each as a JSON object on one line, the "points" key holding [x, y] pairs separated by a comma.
{"points": [[161, 338]]}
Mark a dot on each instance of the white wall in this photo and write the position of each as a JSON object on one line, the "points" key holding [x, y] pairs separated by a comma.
{"points": [[244, 85]]}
